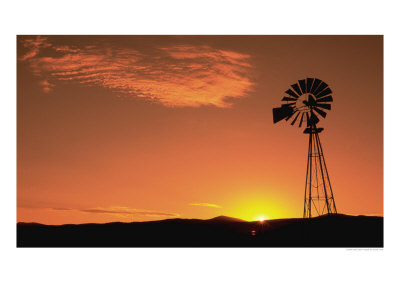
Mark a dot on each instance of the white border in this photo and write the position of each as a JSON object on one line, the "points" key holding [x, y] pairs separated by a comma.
{"points": [[198, 273]]}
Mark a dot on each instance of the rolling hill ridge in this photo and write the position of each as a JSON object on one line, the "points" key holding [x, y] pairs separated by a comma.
{"points": [[222, 231]]}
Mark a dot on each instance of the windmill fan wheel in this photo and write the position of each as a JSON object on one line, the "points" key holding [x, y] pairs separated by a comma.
{"points": [[305, 102]]}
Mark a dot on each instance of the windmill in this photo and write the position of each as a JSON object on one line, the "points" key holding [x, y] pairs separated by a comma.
{"points": [[304, 103]]}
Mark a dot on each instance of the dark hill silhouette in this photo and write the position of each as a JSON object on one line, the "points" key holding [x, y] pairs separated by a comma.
{"points": [[226, 219], [325, 231]]}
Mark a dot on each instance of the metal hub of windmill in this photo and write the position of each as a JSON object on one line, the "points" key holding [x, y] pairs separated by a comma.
{"points": [[306, 102]]}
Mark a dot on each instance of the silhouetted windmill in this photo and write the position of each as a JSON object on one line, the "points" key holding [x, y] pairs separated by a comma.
{"points": [[305, 101]]}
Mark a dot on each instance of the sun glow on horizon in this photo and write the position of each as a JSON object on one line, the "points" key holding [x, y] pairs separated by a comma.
{"points": [[261, 219], [259, 206]]}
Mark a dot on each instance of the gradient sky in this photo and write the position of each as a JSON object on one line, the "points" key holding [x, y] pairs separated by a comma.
{"points": [[123, 128]]}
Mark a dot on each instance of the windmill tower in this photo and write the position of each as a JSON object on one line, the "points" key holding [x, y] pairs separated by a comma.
{"points": [[307, 100]]}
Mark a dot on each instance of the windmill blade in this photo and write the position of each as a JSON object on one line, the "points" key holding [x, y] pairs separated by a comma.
{"points": [[320, 88], [311, 99], [280, 113], [288, 104], [301, 119], [291, 93], [288, 99], [325, 99], [290, 116], [296, 88], [309, 84], [325, 92], [321, 105], [320, 111], [315, 85], [303, 86], [295, 118], [313, 118]]}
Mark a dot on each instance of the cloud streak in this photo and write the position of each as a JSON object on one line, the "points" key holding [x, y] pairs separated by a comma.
{"points": [[206, 204], [180, 75], [121, 210], [34, 44]]}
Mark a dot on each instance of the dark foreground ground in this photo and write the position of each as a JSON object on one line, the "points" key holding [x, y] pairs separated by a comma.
{"points": [[325, 231]]}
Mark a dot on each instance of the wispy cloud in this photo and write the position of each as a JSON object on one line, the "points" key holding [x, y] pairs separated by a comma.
{"points": [[121, 210], [47, 86], [181, 75], [206, 204], [34, 44]]}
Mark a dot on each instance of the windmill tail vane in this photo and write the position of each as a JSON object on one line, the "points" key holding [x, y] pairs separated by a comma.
{"points": [[305, 102]]}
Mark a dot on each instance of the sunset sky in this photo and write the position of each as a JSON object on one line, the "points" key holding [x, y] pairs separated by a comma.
{"points": [[137, 128]]}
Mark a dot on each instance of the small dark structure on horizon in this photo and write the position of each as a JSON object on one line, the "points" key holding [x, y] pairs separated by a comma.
{"points": [[307, 100]]}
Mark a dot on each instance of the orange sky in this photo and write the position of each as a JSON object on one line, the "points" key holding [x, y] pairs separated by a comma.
{"points": [[122, 128]]}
